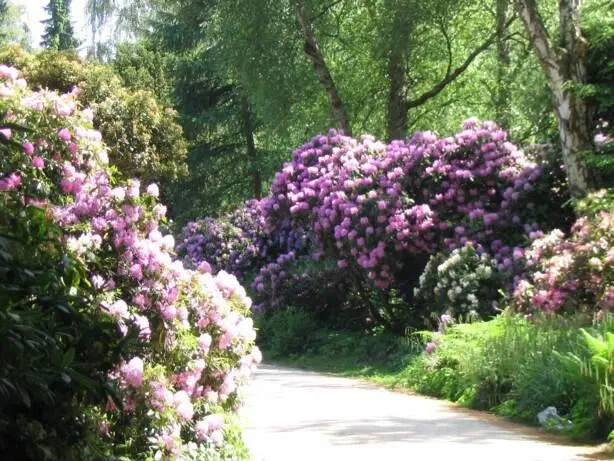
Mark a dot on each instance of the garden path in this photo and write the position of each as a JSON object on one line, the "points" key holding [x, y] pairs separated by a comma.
{"points": [[294, 415]]}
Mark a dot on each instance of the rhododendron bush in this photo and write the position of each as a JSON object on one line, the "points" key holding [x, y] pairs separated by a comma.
{"points": [[174, 390], [372, 206], [462, 283], [572, 274], [367, 201], [378, 211], [234, 242], [281, 261]]}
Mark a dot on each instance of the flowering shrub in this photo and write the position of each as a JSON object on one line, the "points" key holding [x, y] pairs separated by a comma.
{"points": [[368, 202], [219, 243], [377, 212], [463, 282], [175, 388], [237, 242], [142, 137], [571, 274]]}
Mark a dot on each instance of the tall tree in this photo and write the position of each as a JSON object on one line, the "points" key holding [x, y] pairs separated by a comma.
{"points": [[59, 34], [564, 64], [397, 69], [13, 29], [114, 21], [226, 155]]}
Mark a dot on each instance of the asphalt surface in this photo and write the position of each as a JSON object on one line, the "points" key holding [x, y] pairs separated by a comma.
{"points": [[294, 415]]}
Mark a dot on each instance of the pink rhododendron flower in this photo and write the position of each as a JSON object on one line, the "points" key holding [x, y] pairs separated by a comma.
{"points": [[153, 190], [6, 133], [64, 134], [204, 267], [38, 162], [142, 324], [204, 341], [28, 148], [87, 114], [119, 309], [183, 406], [217, 438], [132, 372], [202, 430], [8, 73], [118, 193], [430, 348], [214, 422], [133, 190], [256, 355], [12, 181]]}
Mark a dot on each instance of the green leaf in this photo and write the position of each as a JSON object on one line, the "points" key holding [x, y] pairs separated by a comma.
{"points": [[25, 397], [69, 356]]}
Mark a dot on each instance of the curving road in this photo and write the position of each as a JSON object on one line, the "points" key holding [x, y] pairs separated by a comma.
{"points": [[293, 415]]}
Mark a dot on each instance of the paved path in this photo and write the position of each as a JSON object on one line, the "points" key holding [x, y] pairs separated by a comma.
{"points": [[293, 415]]}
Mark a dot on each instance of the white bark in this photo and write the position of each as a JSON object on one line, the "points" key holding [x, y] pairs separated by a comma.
{"points": [[562, 63]]}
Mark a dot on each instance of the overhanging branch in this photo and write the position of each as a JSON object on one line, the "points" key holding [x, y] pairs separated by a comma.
{"points": [[451, 76]]}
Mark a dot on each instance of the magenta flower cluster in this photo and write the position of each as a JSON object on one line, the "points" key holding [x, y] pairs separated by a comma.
{"points": [[237, 242], [367, 202], [220, 243], [196, 342]]}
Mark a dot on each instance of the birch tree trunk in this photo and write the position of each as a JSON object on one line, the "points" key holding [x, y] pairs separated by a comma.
{"points": [[312, 51], [503, 91], [563, 64]]}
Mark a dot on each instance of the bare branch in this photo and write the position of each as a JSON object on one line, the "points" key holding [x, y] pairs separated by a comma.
{"points": [[449, 102], [446, 36], [449, 78], [325, 10]]}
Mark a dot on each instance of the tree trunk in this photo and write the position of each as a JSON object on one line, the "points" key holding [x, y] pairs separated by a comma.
{"points": [[398, 110], [563, 65], [319, 64], [252, 152], [503, 91]]}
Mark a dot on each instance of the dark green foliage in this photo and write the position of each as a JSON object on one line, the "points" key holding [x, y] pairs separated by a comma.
{"points": [[296, 333], [285, 333], [216, 116], [59, 34], [55, 347], [141, 67], [598, 26]]}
